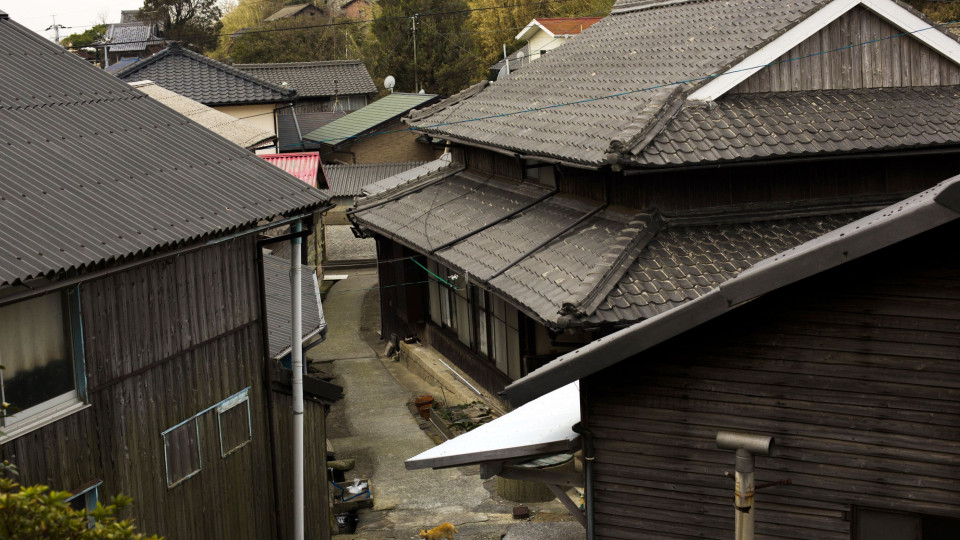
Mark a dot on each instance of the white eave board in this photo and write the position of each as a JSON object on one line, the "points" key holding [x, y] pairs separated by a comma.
{"points": [[542, 426]]}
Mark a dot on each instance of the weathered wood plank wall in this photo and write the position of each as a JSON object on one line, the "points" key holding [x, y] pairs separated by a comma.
{"points": [[317, 518], [900, 61], [855, 373], [163, 342]]}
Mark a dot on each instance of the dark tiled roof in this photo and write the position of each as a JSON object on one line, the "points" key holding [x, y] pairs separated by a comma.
{"points": [[829, 121], [441, 165], [204, 79], [316, 79], [308, 121], [276, 289], [685, 262], [627, 52], [95, 171], [132, 36], [349, 180], [569, 262]]}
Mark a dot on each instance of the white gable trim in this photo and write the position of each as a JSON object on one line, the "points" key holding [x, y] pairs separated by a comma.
{"points": [[887, 9], [531, 29]]}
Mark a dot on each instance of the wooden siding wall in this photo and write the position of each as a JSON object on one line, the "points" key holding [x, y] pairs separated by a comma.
{"points": [[317, 519], [162, 343], [476, 366], [901, 61], [680, 191], [494, 163], [856, 375]]}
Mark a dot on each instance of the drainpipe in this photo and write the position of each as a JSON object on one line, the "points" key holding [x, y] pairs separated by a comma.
{"points": [[296, 380], [746, 446], [588, 459]]}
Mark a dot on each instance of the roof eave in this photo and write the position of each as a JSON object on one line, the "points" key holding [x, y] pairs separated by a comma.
{"points": [[920, 213]]}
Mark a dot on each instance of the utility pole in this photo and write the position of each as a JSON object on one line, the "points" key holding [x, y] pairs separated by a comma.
{"points": [[416, 77], [56, 29]]}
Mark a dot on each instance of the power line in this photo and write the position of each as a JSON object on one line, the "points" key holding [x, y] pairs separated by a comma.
{"points": [[355, 22]]}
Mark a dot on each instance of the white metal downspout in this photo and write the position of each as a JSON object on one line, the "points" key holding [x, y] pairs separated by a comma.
{"points": [[296, 380]]}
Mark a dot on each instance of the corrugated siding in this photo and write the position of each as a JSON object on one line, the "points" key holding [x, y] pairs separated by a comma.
{"points": [[383, 110], [883, 63], [858, 382]]}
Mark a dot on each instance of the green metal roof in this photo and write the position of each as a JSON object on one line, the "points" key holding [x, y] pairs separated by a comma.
{"points": [[367, 118]]}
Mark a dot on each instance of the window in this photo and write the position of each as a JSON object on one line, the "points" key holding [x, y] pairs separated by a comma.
{"points": [[41, 351], [181, 451], [233, 418], [883, 524], [86, 498], [181, 443]]}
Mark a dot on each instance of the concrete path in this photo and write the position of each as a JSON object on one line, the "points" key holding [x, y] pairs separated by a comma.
{"points": [[374, 424]]}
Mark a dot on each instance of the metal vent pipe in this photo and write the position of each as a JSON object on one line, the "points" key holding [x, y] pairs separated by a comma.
{"points": [[746, 446]]}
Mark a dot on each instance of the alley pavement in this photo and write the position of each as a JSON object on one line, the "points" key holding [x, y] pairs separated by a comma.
{"points": [[375, 425]]}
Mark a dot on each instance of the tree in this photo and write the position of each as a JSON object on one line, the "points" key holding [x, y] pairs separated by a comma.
{"points": [[194, 23], [288, 40], [498, 21], [37, 513], [446, 53], [941, 12], [84, 39]]}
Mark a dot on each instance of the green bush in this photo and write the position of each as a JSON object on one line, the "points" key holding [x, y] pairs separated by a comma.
{"points": [[39, 513]]}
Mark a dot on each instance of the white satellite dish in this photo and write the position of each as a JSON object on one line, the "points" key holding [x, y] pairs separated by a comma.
{"points": [[422, 92], [389, 83], [504, 71]]}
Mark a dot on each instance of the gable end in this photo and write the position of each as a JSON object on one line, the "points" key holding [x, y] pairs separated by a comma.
{"points": [[872, 12]]}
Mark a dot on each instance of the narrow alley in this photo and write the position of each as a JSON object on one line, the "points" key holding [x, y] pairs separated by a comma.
{"points": [[374, 424]]}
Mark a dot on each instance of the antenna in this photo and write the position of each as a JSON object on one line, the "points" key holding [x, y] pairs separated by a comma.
{"points": [[416, 77]]}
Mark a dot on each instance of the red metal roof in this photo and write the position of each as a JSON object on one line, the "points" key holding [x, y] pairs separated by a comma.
{"points": [[567, 25], [304, 165]]}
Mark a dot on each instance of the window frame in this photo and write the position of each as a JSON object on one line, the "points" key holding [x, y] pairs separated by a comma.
{"points": [[166, 456], [91, 496], [32, 418], [231, 403]]}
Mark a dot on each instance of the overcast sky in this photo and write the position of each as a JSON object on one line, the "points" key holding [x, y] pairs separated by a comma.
{"points": [[78, 14]]}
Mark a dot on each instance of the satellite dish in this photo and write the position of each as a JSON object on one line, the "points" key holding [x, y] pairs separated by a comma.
{"points": [[504, 71], [389, 83], [422, 92]]}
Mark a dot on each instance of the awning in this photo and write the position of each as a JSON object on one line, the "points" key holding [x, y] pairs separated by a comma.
{"points": [[541, 427]]}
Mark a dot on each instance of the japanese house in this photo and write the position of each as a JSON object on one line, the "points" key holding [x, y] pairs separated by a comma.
{"points": [[841, 350], [213, 84], [133, 320], [669, 147]]}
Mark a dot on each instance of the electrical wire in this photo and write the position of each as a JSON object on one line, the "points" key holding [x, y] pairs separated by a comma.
{"points": [[357, 22]]}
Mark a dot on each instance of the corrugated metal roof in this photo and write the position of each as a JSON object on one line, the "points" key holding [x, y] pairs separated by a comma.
{"points": [[94, 171], [316, 79], [308, 121], [304, 165], [123, 63], [368, 118], [204, 79], [276, 288], [349, 180], [233, 129]]}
